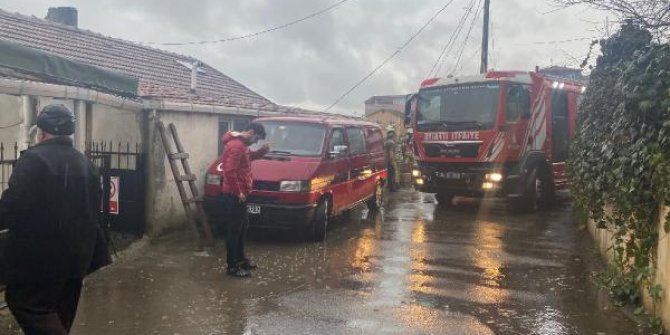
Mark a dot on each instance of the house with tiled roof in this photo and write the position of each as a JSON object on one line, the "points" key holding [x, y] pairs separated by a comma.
{"points": [[118, 90], [388, 111]]}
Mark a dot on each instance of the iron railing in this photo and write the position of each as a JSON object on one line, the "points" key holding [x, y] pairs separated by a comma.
{"points": [[9, 153]]}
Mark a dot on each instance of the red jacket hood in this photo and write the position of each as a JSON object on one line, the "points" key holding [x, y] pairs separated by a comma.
{"points": [[231, 135]]}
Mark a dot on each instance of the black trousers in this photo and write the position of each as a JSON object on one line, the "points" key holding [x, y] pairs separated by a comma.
{"points": [[392, 183], [44, 308], [236, 226]]}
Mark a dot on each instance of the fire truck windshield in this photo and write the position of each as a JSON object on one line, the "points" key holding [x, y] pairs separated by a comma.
{"points": [[458, 107]]}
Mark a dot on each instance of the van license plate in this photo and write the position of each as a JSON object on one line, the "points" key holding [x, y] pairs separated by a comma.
{"points": [[450, 175], [254, 209]]}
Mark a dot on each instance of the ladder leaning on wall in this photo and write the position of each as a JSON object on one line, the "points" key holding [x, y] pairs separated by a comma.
{"points": [[196, 217]]}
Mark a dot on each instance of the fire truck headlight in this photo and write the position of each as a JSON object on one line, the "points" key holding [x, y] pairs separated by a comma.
{"points": [[494, 177], [419, 181], [488, 185], [416, 173]]}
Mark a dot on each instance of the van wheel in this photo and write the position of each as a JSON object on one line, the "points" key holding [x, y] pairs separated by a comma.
{"points": [[444, 199], [538, 192], [376, 202], [321, 219]]}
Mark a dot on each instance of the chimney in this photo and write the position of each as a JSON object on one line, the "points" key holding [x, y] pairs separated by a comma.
{"points": [[194, 76], [63, 15]]}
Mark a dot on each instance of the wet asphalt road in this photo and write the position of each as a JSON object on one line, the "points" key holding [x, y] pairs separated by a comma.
{"points": [[418, 268]]}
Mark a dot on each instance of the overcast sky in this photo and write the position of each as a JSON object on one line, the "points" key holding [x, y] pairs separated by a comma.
{"points": [[312, 63]]}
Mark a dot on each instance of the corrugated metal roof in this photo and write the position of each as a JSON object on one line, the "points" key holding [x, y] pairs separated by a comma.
{"points": [[161, 73]]}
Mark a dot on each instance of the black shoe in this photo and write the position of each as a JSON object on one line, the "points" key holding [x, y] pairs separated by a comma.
{"points": [[248, 264], [238, 272]]}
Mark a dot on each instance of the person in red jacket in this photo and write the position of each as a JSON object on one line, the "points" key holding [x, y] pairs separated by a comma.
{"points": [[237, 182]]}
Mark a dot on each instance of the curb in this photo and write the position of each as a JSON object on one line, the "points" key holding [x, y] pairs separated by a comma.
{"points": [[134, 250]]}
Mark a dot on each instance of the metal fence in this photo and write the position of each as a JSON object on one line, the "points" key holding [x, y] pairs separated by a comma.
{"points": [[126, 156], [9, 153]]}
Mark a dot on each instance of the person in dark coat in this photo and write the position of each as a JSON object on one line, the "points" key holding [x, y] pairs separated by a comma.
{"points": [[52, 211]]}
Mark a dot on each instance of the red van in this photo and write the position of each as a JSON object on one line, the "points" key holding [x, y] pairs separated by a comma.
{"points": [[317, 168]]}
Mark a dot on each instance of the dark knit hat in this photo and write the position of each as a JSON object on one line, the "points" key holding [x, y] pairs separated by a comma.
{"points": [[56, 119]]}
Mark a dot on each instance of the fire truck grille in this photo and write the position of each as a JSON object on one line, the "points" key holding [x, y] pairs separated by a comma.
{"points": [[452, 149]]}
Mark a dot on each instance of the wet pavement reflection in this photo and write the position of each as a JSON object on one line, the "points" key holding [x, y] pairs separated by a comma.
{"points": [[416, 268]]}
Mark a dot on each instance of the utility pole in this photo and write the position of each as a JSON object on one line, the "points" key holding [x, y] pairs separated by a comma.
{"points": [[485, 38]]}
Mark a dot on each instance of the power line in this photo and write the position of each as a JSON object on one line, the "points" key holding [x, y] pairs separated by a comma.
{"points": [[559, 41], [467, 37], [451, 41], [390, 57], [458, 33], [285, 25]]}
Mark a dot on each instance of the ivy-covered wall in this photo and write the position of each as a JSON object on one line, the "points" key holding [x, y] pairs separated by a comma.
{"points": [[620, 157]]}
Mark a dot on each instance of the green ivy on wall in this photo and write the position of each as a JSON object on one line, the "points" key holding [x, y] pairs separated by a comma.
{"points": [[619, 162]]}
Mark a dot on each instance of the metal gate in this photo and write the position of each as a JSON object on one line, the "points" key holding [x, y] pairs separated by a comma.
{"points": [[8, 156], [122, 168]]}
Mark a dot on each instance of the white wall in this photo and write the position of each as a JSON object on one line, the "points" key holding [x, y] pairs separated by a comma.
{"points": [[116, 125], [604, 239], [199, 136], [11, 119]]}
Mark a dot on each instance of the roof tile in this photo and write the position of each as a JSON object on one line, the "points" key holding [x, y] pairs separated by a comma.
{"points": [[160, 73]]}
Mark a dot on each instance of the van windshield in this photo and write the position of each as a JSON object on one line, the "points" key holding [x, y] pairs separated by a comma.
{"points": [[294, 138]]}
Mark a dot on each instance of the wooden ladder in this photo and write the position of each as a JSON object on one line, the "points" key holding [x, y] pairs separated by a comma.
{"points": [[196, 216]]}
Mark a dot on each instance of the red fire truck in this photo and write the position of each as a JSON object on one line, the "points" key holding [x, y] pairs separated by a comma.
{"points": [[502, 133]]}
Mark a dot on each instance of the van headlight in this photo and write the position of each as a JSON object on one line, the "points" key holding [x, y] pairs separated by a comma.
{"points": [[294, 186], [212, 179]]}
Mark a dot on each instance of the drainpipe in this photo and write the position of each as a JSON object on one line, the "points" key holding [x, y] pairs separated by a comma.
{"points": [[79, 125], [89, 122], [151, 145], [29, 115]]}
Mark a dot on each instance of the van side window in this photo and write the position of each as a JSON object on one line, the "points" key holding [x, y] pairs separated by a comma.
{"points": [[336, 138], [518, 102], [356, 141], [374, 139]]}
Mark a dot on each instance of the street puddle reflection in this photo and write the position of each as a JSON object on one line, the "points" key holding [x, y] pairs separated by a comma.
{"points": [[488, 258]]}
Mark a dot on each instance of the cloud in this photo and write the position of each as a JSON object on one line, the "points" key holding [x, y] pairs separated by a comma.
{"points": [[312, 63]]}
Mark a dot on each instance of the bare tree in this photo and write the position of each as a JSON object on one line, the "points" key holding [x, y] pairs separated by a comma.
{"points": [[651, 14]]}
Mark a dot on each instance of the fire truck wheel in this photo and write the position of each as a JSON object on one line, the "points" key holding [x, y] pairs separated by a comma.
{"points": [[544, 189], [321, 218], [538, 192], [444, 199], [375, 203]]}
